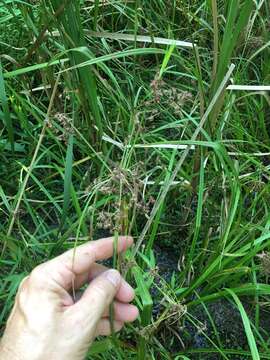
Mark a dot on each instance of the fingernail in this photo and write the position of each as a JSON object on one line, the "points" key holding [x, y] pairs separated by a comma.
{"points": [[113, 276]]}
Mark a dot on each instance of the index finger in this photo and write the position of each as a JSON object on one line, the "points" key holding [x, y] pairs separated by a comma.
{"points": [[79, 260]]}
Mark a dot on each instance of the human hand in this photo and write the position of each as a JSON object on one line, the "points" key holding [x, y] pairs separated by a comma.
{"points": [[47, 324]]}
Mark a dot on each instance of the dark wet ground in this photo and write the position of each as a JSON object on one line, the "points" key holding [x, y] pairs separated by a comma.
{"points": [[184, 335], [224, 315]]}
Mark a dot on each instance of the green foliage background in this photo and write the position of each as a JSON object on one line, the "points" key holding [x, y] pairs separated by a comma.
{"points": [[107, 134]]}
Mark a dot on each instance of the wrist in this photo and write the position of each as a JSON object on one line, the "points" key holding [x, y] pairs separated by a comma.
{"points": [[7, 353], [18, 343], [17, 350]]}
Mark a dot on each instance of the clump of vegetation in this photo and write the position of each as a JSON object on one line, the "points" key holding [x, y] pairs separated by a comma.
{"points": [[105, 128]]}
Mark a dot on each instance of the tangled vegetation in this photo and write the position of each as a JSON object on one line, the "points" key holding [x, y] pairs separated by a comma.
{"points": [[149, 118]]}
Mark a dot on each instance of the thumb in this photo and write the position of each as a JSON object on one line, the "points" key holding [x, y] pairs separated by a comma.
{"points": [[98, 296]]}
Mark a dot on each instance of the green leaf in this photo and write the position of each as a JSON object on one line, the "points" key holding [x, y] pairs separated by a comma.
{"points": [[246, 322], [99, 347], [6, 112], [67, 180]]}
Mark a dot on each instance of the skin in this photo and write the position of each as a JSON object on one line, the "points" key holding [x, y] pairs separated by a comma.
{"points": [[46, 322]]}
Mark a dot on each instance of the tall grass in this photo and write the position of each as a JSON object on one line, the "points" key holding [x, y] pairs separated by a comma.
{"points": [[117, 133]]}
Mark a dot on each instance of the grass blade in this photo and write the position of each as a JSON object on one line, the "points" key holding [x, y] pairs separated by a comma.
{"points": [[5, 107], [246, 322]]}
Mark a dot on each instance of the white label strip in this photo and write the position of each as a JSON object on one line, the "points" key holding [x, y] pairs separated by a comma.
{"points": [[249, 87], [139, 38], [162, 146], [183, 182], [173, 146]]}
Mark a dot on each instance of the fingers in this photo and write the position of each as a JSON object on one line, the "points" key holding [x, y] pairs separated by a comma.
{"points": [[98, 250], [97, 297], [65, 267], [125, 292], [123, 312], [104, 327]]}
